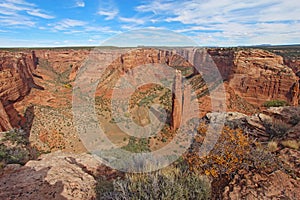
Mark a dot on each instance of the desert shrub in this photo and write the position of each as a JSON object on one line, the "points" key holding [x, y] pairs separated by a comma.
{"points": [[13, 155], [275, 103], [13, 147], [261, 159], [136, 145], [227, 156], [294, 120], [68, 85], [164, 140], [169, 183], [16, 136], [276, 128], [233, 151]]}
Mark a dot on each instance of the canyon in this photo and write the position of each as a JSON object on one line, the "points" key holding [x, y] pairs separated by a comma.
{"points": [[42, 77], [37, 88]]}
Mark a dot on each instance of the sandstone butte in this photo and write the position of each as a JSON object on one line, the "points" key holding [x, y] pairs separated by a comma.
{"points": [[251, 76]]}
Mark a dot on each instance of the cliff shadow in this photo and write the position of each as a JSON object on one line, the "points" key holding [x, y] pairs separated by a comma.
{"points": [[27, 126], [28, 119]]}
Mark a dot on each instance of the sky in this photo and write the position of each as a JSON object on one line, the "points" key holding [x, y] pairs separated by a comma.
{"points": [[45, 23]]}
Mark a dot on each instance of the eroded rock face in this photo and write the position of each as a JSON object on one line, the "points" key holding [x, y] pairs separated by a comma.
{"points": [[256, 75], [125, 60], [16, 75], [62, 60], [224, 60], [261, 76], [294, 64], [4, 119], [54, 176]]}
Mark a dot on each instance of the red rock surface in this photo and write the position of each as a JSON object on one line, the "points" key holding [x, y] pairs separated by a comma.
{"points": [[177, 101], [16, 75], [53, 176], [257, 75], [62, 60], [248, 185]]}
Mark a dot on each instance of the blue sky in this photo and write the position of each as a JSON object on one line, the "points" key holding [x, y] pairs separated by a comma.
{"points": [[33, 23]]}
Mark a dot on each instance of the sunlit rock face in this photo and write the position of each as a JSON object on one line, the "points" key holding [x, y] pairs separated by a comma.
{"points": [[16, 75]]}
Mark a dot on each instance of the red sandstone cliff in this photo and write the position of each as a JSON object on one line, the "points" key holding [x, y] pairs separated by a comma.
{"points": [[62, 60], [16, 75], [257, 75]]}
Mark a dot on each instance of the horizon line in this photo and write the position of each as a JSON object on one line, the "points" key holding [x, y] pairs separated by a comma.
{"points": [[142, 46]]}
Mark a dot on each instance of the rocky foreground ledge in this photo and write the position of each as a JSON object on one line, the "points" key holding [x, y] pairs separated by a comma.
{"points": [[61, 175], [53, 176]]}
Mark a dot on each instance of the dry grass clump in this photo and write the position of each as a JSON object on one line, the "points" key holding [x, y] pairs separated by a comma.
{"points": [[272, 146], [168, 183], [293, 144], [276, 128]]}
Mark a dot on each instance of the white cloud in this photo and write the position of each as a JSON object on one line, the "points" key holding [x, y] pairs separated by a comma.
{"points": [[20, 13], [80, 3], [71, 26], [16, 20], [100, 29], [110, 14], [108, 9], [132, 20], [235, 22], [66, 24], [193, 28], [22, 2], [14, 7], [38, 13]]}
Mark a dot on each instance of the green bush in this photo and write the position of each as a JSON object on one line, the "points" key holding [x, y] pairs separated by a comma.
{"points": [[16, 136], [13, 147], [136, 145], [169, 183], [275, 103], [13, 155]]}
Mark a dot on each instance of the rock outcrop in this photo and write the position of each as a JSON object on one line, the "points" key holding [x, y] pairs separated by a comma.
{"points": [[16, 75], [275, 122], [53, 176], [257, 75], [249, 185]]}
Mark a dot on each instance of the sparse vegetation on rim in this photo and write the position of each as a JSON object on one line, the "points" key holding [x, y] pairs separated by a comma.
{"points": [[275, 103], [14, 147], [168, 183]]}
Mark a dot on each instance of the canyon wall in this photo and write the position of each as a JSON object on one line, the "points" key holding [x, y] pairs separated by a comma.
{"points": [[257, 75], [16, 75], [251, 75], [62, 60]]}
